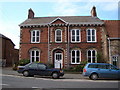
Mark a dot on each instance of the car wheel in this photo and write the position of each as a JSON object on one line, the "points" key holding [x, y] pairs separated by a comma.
{"points": [[94, 76], [55, 75], [25, 73]]}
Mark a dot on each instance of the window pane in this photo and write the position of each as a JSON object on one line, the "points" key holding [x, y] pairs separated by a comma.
{"points": [[37, 53], [37, 33], [88, 32], [33, 33], [37, 59], [32, 53], [93, 53], [93, 32], [93, 38], [33, 39], [73, 38], [73, 32], [73, 53], [78, 53], [33, 59], [78, 32], [58, 32], [89, 53], [37, 39], [78, 60], [89, 59], [58, 39], [93, 59], [73, 60], [78, 39], [89, 38]]}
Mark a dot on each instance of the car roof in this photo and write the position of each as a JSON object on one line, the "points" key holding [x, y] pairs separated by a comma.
{"points": [[100, 63]]}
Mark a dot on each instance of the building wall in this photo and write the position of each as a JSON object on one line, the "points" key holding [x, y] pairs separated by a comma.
{"points": [[9, 54], [66, 46], [115, 50]]}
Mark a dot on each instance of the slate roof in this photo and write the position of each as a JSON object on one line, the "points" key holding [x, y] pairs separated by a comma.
{"points": [[113, 28], [68, 19]]}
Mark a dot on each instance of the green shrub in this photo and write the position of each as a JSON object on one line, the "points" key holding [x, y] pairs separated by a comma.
{"points": [[24, 62], [79, 68]]}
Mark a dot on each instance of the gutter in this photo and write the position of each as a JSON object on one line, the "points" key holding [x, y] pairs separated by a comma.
{"points": [[48, 43], [68, 45]]}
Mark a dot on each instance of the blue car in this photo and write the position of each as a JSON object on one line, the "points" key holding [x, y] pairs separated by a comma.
{"points": [[101, 70], [41, 69]]}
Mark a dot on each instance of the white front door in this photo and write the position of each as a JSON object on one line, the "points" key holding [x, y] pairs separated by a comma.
{"points": [[58, 60]]}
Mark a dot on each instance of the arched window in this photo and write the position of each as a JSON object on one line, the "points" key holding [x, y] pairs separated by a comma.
{"points": [[35, 36], [34, 55], [91, 56], [75, 57], [58, 35], [75, 35], [91, 35]]}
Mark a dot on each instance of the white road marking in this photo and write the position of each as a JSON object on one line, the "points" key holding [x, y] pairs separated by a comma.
{"points": [[67, 80], [35, 87], [4, 84]]}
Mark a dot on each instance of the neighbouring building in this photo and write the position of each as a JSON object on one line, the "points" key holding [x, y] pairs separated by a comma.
{"points": [[64, 41], [8, 54], [113, 39]]}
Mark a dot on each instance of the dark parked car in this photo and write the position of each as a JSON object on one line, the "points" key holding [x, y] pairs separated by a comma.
{"points": [[101, 70], [41, 69]]}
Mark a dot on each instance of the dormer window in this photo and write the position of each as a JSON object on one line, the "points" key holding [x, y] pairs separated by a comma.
{"points": [[35, 36], [58, 35]]}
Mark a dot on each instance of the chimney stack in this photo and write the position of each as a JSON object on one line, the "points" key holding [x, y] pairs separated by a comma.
{"points": [[30, 14], [93, 12]]}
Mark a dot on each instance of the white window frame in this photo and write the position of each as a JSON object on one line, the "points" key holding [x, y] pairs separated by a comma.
{"points": [[35, 36], [56, 36], [92, 56], [76, 57], [76, 35], [91, 35], [34, 55]]}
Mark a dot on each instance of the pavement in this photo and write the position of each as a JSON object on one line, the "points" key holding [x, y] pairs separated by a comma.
{"points": [[9, 71]]}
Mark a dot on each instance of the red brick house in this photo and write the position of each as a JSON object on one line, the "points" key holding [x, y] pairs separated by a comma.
{"points": [[63, 41], [8, 54]]}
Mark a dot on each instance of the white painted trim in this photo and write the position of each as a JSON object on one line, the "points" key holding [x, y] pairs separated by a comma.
{"points": [[35, 36], [76, 36], [76, 57], [58, 19], [56, 36], [91, 35]]}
